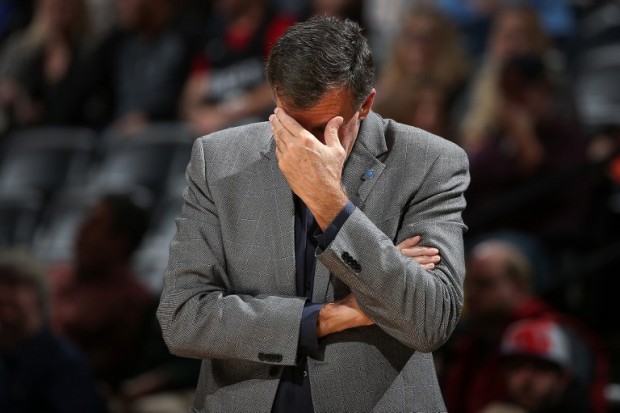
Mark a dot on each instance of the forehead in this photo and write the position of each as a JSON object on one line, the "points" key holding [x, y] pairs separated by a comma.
{"points": [[335, 102]]}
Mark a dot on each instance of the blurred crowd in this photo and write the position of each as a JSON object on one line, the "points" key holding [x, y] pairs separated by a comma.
{"points": [[100, 101]]}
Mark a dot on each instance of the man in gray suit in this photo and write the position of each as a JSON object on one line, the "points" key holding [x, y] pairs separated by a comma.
{"points": [[291, 275]]}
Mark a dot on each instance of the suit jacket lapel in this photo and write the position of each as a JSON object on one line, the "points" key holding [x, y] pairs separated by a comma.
{"points": [[369, 146], [363, 168], [280, 219]]}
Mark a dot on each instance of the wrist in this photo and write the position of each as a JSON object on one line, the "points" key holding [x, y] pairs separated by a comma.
{"points": [[337, 317], [325, 211], [324, 321]]}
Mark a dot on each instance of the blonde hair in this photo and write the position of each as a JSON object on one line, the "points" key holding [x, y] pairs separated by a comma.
{"points": [[481, 119], [399, 88], [448, 69]]}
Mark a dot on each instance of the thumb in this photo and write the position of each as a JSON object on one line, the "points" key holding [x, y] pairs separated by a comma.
{"points": [[331, 131]]}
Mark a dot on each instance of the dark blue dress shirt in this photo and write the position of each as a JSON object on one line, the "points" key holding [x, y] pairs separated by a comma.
{"points": [[294, 394]]}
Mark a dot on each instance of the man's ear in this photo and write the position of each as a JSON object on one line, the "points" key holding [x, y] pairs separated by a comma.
{"points": [[367, 105]]}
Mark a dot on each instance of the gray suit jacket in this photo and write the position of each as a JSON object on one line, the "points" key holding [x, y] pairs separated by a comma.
{"points": [[229, 292]]}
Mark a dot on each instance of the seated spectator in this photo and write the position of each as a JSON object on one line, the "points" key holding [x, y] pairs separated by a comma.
{"points": [[144, 63], [516, 31], [497, 293], [430, 110], [44, 72], [426, 65], [529, 143], [97, 302], [227, 85], [39, 372], [537, 364]]}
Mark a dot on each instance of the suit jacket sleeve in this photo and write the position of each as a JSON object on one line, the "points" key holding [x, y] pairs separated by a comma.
{"points": [[199, 314], [418, 307]]}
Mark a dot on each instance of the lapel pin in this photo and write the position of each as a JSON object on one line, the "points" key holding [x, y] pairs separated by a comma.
{"points": [[368, 174]]}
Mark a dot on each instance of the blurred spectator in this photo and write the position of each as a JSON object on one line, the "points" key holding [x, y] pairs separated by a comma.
{"points": [[97, 302], [38, 371], [516, 31], [474, 17], [429, 109], [529, 143], [384, 19], [497, 293], [423, 72], [227, 85], [144, 63], [537, 369], [44, 73]]}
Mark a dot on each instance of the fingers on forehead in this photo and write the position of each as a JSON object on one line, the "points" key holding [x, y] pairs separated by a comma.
{"points": [[287, 120], [276, 125]]}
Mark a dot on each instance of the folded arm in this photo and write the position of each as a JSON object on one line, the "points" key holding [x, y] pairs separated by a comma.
{"points": [[417, 306]]}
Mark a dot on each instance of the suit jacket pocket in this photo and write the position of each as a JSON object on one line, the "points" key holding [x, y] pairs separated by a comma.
{"points": [[229, 372]]}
